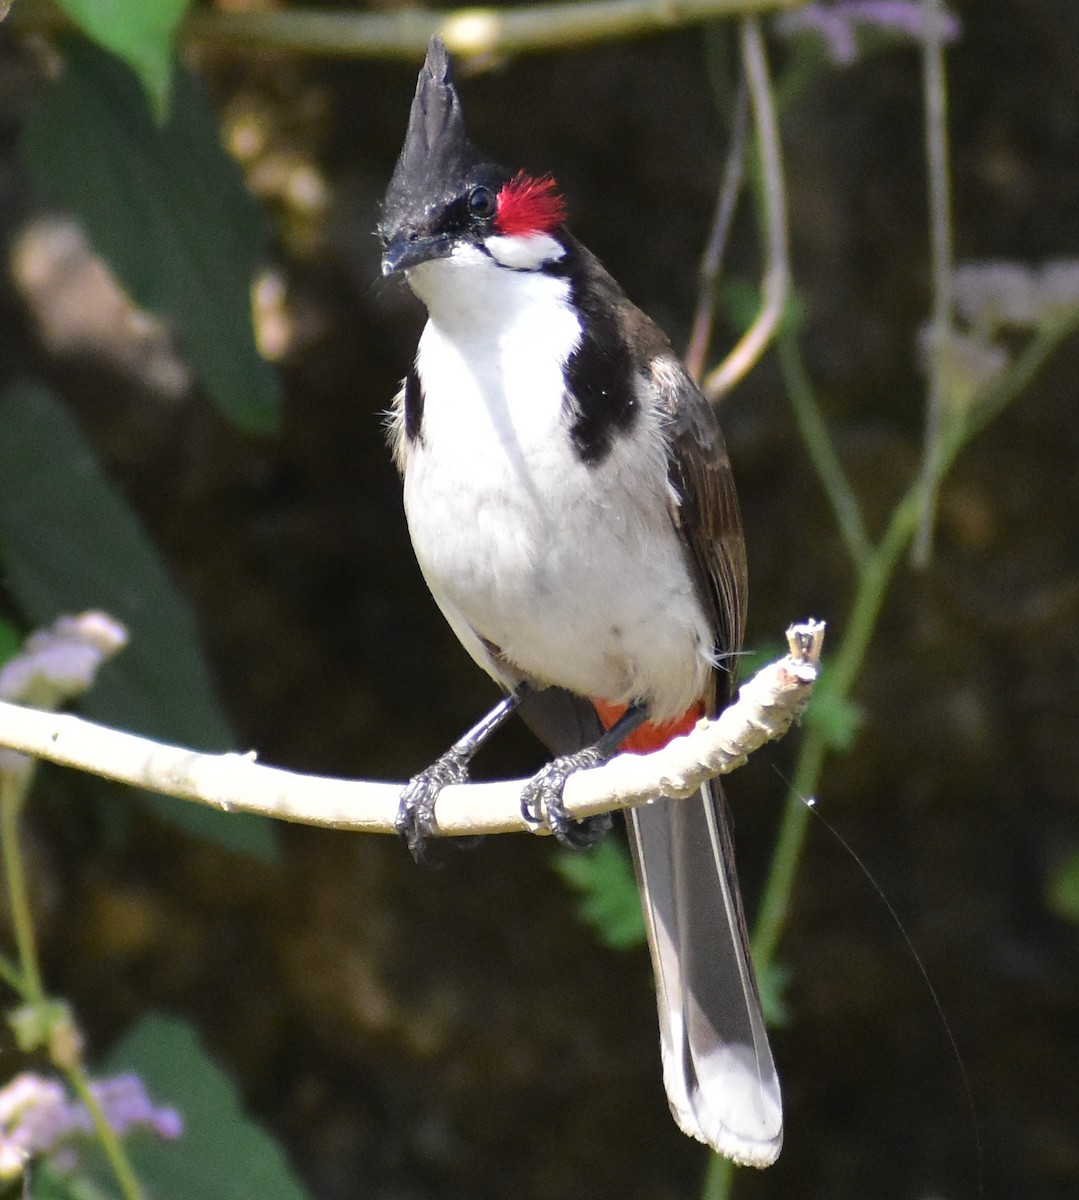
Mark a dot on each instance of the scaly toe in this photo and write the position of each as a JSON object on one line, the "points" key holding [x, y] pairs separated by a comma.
{"points": [[542, 802]]}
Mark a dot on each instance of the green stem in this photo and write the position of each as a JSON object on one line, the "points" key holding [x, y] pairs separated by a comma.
{"points": [[106, 1135], [873, 582], [775, 899], [1000, 394], [12, 789], [26, 978], [10, 975], [822, 452], [874, 578], [718, 1178], [941, 255]]}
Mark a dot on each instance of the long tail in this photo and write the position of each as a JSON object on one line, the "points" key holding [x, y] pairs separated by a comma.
{"points": [[717, 1065]]}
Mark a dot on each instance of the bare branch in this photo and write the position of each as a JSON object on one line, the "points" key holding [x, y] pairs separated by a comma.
{"points": [[404, 33], [766, 707], [468, 32]]}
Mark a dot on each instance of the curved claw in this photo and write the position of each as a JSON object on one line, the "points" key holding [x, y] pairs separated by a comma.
{"points": [[542, 803], [416, 824]]}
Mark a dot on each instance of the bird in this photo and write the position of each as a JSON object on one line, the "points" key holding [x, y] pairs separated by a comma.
{"points": [[572, 508]]}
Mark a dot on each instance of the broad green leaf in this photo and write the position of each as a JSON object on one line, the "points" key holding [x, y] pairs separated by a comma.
{"points": [[141, 32], [167, 209], [48, 1183], [222, 1154], [69, 542]]}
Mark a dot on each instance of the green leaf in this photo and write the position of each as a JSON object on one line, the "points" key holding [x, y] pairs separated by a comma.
{"points": [[741, 301], [608, 900], [70, 543], [10, 640], [167, 209], [141, 32], [837, 719], [222, 1154], [753, 658], [772, 984], [1063, 888], [47, 1183]]}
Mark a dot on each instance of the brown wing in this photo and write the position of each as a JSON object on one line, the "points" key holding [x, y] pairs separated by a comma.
{"points": [[704, 509]]}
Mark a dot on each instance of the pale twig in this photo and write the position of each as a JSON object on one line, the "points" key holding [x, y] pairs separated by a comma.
{"points": [[776, 283], [766, 706]]}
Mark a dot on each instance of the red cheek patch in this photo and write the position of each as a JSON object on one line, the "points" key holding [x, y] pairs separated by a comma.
{"points": [[527, 205]]}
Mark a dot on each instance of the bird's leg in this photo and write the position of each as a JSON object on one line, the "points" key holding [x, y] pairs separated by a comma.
{"points": [[541, 800], [415, 822]]}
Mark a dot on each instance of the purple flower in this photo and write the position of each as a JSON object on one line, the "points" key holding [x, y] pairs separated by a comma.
{"points": [[36, 1116], [836, 23], [60, 661]]}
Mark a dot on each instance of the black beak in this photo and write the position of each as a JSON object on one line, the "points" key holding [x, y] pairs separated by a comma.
{"points": [[407, 252]]}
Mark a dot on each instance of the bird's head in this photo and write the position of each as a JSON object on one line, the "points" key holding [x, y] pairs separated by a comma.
{"points": [[447, 201]]}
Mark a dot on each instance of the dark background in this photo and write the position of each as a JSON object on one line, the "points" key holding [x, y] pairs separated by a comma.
{"points": [[458, 1033]]}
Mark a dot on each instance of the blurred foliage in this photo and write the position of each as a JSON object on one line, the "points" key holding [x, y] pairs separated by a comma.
{"points": [[70, 542], [141, 32], [167, 209], [607, 898], [835, 717], [222, 1154], [1063, 889]]}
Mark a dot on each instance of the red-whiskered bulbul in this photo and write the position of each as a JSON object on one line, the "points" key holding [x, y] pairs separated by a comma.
{"points": [[572, 508]]}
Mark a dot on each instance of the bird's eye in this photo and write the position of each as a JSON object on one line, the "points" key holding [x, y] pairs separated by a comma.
{"points": [[481, 202]]}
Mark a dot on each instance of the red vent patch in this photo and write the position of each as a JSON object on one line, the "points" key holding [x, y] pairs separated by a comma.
{"points": [[527, 205], [648, 737]]}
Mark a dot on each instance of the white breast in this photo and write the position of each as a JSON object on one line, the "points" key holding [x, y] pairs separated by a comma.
{"points": [[574, 572]]}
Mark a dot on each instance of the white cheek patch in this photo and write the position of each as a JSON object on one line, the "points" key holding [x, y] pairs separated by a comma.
{"points": [[526, 252]]}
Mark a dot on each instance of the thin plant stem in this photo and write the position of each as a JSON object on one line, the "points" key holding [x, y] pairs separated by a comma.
{"points": [[26, 979], [1004, 390], [712, 260], [9, 974], [718, 1178], [873, 581], [106, 1135], [822, 452], [941, 254], [12, 790], [776, 282]]}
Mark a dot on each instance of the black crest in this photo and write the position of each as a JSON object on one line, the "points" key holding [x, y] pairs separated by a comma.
{"points": [[438, 163]]}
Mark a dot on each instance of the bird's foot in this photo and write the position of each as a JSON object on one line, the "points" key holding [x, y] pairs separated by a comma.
{"points": [[542, 804], [415, 823]]}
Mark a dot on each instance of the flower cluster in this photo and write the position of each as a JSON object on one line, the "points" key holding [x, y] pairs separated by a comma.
{"points": [[838, 23], [37, 1118]]}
